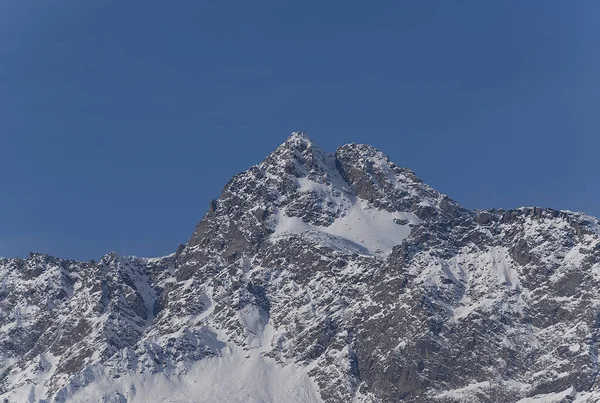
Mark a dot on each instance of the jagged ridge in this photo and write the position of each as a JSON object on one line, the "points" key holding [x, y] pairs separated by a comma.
{"points": [[341, 277]]}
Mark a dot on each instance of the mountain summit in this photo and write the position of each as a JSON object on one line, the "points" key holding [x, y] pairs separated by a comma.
{"points": [[316, 276]]}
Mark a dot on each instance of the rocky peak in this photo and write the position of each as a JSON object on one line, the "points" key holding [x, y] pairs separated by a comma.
{"points": [[298, 139], [341, 277], [374, 177], [298, 157], [301, 189], [374, 163]]}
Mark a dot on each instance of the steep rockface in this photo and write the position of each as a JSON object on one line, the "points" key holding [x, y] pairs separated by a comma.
{"points": [[318, 277]]}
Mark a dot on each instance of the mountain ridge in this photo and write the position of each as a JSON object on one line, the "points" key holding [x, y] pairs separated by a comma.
{"points": [[339, 277]]}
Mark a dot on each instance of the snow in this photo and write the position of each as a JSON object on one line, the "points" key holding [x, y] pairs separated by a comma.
{"points": [[465, 392], [361, 227], [491, 271], [550, 397], [33, 379], [358, 227], [467, 307], [254, 320], [372, 228], [236, 376]]}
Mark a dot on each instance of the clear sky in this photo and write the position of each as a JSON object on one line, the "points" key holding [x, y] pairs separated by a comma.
{"points": [[120, 120]]}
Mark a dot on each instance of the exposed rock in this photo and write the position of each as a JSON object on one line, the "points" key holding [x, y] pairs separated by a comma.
{"points": [[345, 267]]}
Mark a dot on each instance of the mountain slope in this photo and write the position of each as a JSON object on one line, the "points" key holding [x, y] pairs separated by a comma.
{"points": [[318, 277]]}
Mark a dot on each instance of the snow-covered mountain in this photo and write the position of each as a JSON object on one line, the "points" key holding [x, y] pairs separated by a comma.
{"points": [[318, 277]]}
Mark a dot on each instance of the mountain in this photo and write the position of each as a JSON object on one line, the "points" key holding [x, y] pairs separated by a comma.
{"points": [[318, 277]]}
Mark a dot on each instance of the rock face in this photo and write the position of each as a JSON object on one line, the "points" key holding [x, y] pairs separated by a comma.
{"points": [[318, 277]]}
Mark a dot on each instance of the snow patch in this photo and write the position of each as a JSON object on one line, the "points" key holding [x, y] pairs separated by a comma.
{"points": [[236, 376], [362, 227], [551, 397]]}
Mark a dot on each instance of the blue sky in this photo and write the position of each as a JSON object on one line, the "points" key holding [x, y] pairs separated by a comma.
{"points": [[119, 121]]}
